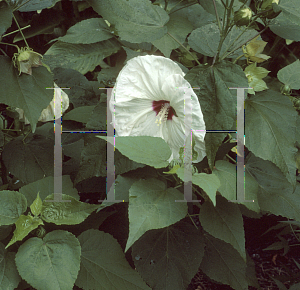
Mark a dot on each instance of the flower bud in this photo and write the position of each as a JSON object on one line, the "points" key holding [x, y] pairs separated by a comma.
{"points": [[24, 55], [285, 90], [267, 5], [243, 16]]}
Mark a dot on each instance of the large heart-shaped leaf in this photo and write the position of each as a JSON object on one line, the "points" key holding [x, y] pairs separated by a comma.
{"points": [[50, 263], [103, 264], [151, 206]]}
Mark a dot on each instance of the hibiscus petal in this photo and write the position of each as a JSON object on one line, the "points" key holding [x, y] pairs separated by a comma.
{"points": [[145, 79]]}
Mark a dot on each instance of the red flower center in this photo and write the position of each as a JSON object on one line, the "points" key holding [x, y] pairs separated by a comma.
{"points": [[163, 110]]}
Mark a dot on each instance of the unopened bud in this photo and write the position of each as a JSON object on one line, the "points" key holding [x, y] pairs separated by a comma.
{"points": [[267, 5], [243, 16], [285, 90]]}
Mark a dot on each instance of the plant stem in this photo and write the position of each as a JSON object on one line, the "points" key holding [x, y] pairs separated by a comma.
{"points": [[244, 43], [10, 44], [184, 48], [166, 5], [3, 173], [236, 39], [3, 51], [225, 30], [192, 221], [20, 31], [238, 58], [26, 136], [230, 158], [177, 4], [224, 4], [17, 8], [182, 7], [16, 31], [217, 17]]}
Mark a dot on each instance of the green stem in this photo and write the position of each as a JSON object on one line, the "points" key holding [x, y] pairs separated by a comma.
{"points": [[26, 136], [17, 8], [177, 4], [10, 44], [225, 31], [20, 31], [3, 173], [191, 4], [238, 58], [244, 43], [236, 39], [224, 4], [184, 48], [217, 17], [230, 158], [16, 31], [166, 5], [192, 221], [3, 51]]}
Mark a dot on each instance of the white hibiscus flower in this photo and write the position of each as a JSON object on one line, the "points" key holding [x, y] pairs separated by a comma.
{"points": [[148, 100]]}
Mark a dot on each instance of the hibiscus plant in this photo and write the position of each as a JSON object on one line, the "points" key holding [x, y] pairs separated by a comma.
{"points": [[180, 117]]}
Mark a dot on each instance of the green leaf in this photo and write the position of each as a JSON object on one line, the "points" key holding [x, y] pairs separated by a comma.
{"points": [[122, 187], [66, 213], [270, 130], [290, 10], [209, 6], [27, 92], [33, 5], [45, 187], [12, 205], [80, 114], [5, 17], [224, 222], [169, 258], [109, 75], [234, 39], [135, 20], [276, 194], [217, 102], [93, 160], [50, 263], [222, 263], [10, 277], [103, 264], [285, 28], [97, 119], [196, 15], [153, 151], [226, 173], [294, 286], [42, 23], [208, 182], [151, 206], [290, 75], [34, 153], [205, 39], [88, 31], [178, 27], [36, 206], [24, 225], [287, 24], [80, 57]]}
